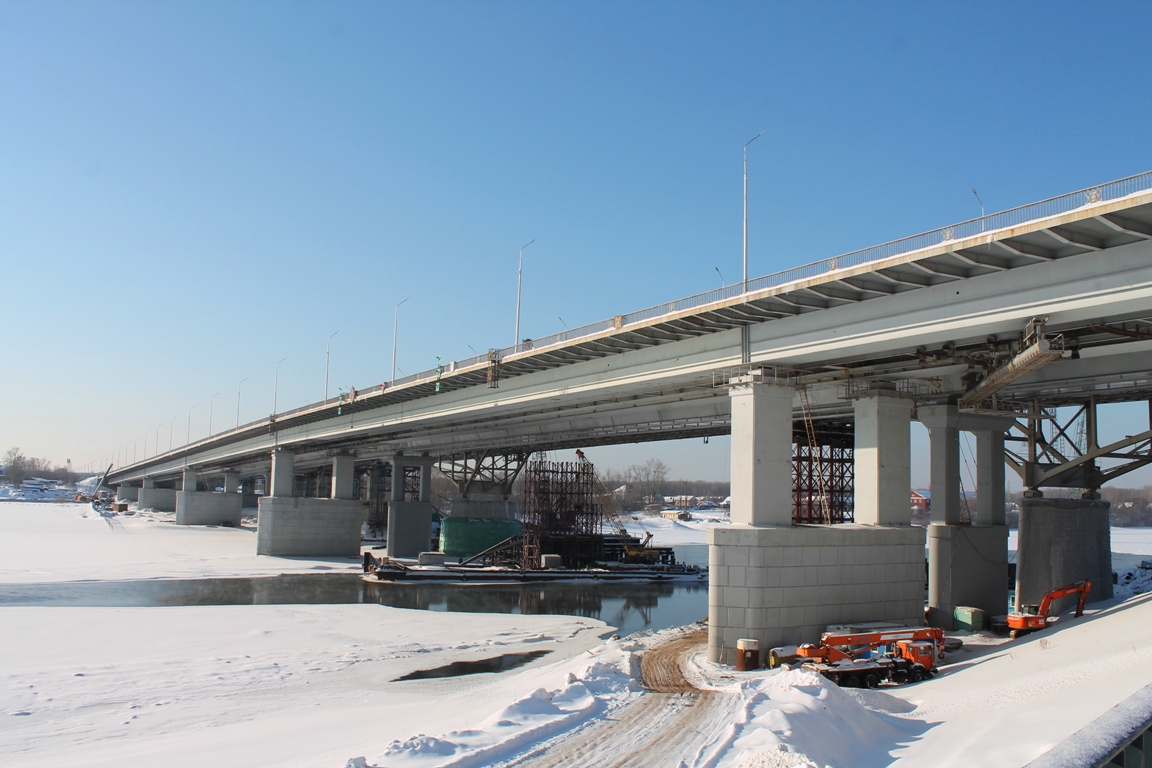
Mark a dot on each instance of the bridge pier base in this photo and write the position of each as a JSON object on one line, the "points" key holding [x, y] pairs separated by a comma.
{"points": [[783, 585], [1062, 541], [160, 499], [127, 493], [302, 527], [208, 508], [968, 566]]}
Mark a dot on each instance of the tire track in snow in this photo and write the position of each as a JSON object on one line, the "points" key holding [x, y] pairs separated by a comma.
{"points": [[674, 724]]}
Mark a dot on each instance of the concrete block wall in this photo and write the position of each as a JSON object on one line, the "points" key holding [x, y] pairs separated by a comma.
{"points": [[782, 585], [288, 525], [161, 499], [207, 508]]}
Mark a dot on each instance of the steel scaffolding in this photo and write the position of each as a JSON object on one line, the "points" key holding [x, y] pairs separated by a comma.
{"points": [[823, 469], [560, 514]]}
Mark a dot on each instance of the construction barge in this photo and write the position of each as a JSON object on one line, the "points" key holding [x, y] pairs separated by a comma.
{"points": [[391, 570]]}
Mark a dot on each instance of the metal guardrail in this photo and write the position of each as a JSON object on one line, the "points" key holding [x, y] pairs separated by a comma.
{"points": [[1053, 206]]}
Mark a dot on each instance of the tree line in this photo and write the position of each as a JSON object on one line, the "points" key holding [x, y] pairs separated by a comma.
{"points": [[18, 468]]}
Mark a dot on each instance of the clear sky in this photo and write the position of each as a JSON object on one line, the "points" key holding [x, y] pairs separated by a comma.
{"points": [[190, 192]]}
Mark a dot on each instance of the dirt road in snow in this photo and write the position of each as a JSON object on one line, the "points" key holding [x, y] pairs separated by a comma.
{"points": [[670, 726]]}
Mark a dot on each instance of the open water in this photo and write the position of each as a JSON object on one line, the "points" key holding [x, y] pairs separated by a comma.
{"points": [[628, 606]]}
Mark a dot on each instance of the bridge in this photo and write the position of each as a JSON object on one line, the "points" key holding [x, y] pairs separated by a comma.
{"points": [[984, 326]]}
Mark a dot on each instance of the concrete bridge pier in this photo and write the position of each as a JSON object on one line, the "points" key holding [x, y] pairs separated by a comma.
{"points": [[410, 514], [195, 507], [291, 525], [1062, 541], [967, 560], [151, 497], [783, 584], [127, 493]]}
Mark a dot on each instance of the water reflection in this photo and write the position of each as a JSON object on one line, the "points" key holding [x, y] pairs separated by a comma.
{"points": [[460, 668], [628, 606]]}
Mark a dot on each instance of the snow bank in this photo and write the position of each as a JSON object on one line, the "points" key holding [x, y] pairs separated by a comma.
{"points": [[592, 686], [802, 717]]}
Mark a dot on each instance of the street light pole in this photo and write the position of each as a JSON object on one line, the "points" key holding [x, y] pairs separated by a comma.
{"points": [[276, 384], [188, 434], [519, 279], [395, 326], [211, 405], [238, 400], [171, 428], [327, 357], [746, 208]]}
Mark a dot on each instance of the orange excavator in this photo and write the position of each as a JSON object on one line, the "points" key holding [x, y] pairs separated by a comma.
{"points": [[866, 659], [1025, 621]]}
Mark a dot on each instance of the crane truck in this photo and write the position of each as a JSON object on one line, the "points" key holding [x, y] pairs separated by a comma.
{"points": [[866, 659]]}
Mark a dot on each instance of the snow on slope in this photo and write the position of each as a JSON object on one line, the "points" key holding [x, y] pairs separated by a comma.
{"points": [[778, 718], [256, 686]]}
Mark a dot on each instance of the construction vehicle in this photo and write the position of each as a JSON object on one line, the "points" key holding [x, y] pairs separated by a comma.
{"points": [[1034, 617], [866, 659], [633, 553]]}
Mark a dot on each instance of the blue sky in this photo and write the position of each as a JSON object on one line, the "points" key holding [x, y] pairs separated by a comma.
{"points": [[191, 191]]}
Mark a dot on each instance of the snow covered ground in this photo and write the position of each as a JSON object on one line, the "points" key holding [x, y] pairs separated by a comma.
{"points": [[316, 685], [71, 542]]}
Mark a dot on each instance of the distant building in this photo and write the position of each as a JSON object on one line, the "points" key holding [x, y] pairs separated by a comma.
{"points": [[922, 500]]}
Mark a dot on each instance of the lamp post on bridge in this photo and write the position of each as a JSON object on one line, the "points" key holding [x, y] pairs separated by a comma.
{"points": [[519, 280], [746, 209], [211, 405], [276, 384], [395, 326], [238, 400], [327, 357], [981, 208], [188, 434], [171, 428]]}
